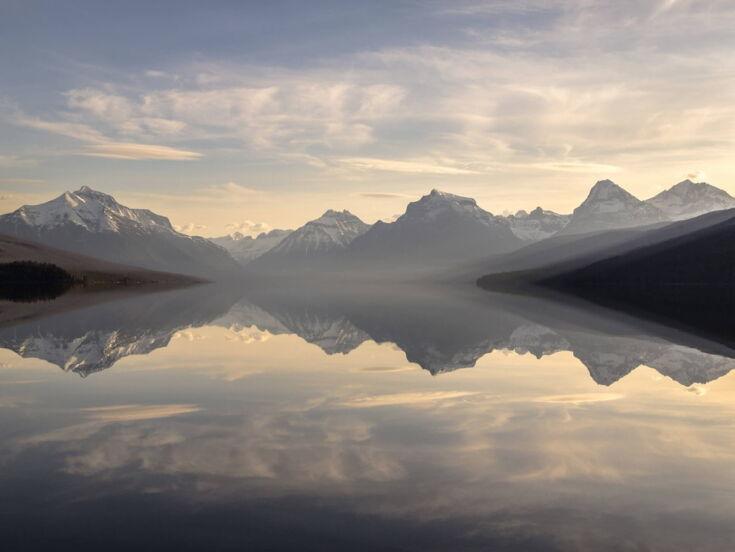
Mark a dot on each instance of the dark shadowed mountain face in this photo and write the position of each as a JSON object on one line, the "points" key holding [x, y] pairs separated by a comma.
{"points": [[565, 253], [689, 199], [438, 229], [608, 206], [94, 224], [689, 277]]}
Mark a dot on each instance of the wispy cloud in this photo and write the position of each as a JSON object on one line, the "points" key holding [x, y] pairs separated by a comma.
{"points": [[383, 195], [137, 412], [520, 92], [405, 399], [118, 150], [229, 190], [413, 167], [101, 145]]}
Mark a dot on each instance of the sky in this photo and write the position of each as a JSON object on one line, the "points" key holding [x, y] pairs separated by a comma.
{"points": [[254, 115]]}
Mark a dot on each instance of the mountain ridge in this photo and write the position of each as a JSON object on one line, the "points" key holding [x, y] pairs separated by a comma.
{"points": [[93, 223]]}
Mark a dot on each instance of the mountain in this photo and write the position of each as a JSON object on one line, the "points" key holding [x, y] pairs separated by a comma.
{"points": [[93, 223], [537, 225], [689, 199], [561, 254], [440, 228], [688, 277], [316, 241], [246, 248], [85, 338], [609, 206], [94, 272]]}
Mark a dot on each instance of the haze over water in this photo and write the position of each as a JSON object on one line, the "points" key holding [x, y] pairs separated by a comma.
{"points": [[211, 418]]}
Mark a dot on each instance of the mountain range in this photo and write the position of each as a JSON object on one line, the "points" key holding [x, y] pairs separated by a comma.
{"points": [[537, 225], [247, 248], [439, 228], [439, 231]]}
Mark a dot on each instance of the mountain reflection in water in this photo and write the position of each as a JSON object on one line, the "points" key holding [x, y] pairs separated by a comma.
{"points": [[440, 329], [299, 420]]}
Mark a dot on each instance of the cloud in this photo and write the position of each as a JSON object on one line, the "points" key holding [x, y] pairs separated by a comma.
{"points": [[697, 389], [137, 412], [576, 166], [248, 227], [414, 167], [405, 399], [21, 181], [77, 131], [248, 335], [521, 92], [581, 398], [118, 150], [697, 176], [229, 190], [383, 195], [100, 145], [190, 228], [189, 335], [289, 111], [15, 161]]}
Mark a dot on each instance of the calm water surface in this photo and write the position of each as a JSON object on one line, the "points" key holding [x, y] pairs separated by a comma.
{"points": [[436, 419]]}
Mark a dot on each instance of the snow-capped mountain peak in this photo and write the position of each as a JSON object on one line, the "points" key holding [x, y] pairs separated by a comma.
{"points": [[93, 223], [438, 204], [607, 191], [609, 206], [688, 199], [92, 210], [536, 225], [329, 234]]}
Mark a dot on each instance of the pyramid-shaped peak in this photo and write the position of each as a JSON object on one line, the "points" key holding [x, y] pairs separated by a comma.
{"points": [[605, 184], [607, 189]]}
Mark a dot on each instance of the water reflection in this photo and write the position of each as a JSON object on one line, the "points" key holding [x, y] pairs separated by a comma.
{"points": [[439, 329], [300, 421]]}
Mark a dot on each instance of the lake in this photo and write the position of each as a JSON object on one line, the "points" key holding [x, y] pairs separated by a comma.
{"points": [[378, 418]]}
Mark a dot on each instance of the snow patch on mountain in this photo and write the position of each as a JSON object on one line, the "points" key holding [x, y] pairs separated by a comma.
{"points": [[607, 207], [93, 223], [94, 211], [537, 225], [689, 199], [331, 232], [246, 248]]}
